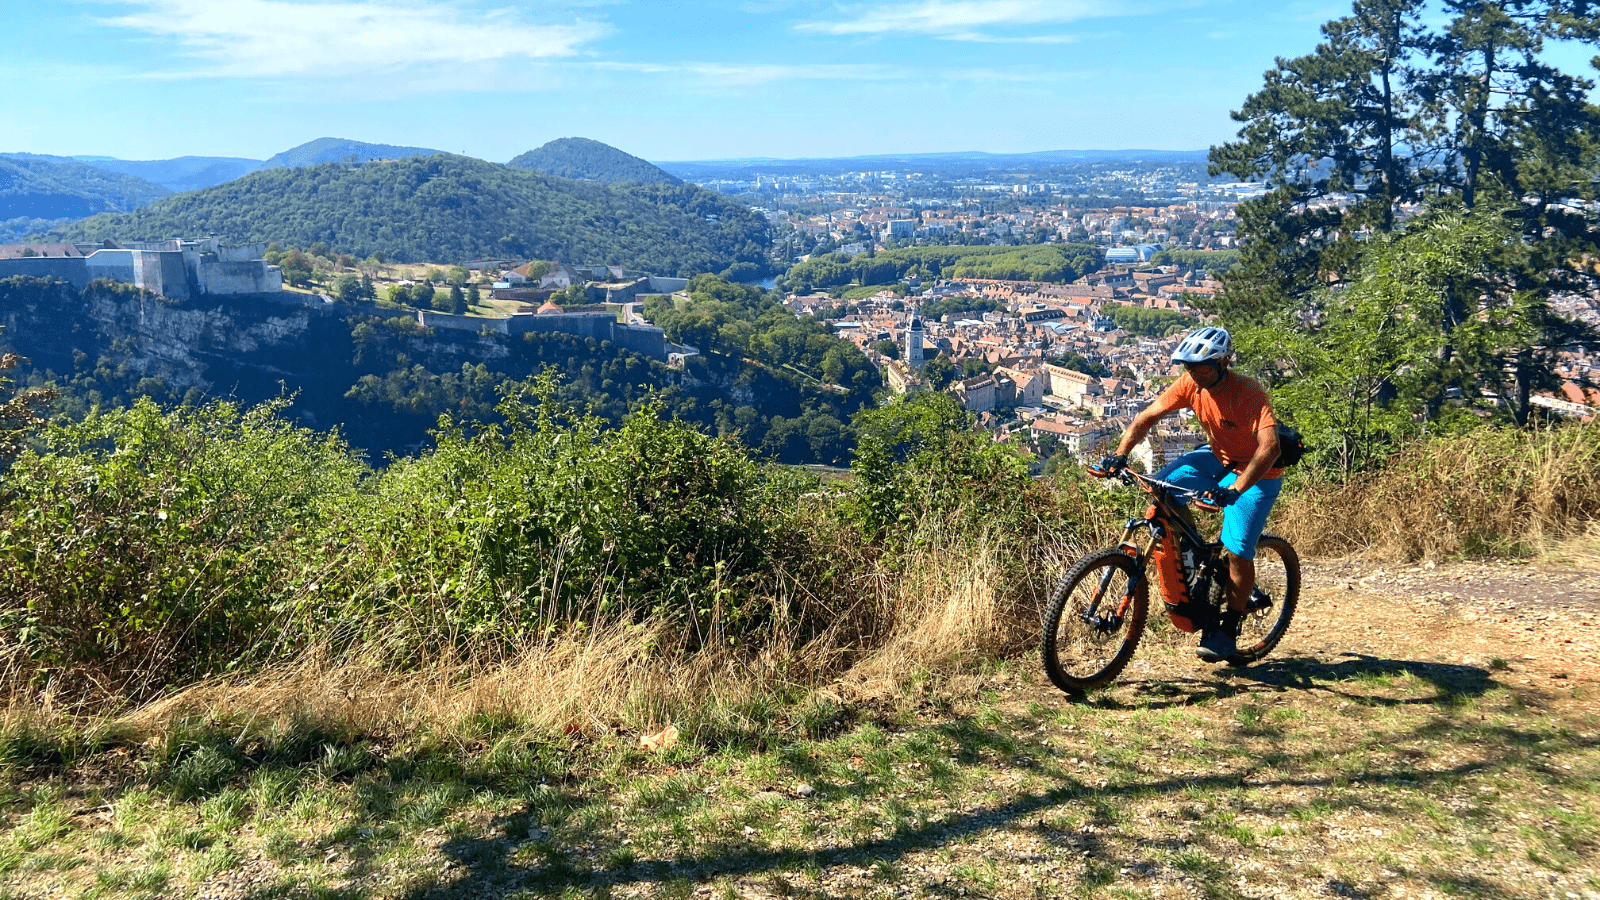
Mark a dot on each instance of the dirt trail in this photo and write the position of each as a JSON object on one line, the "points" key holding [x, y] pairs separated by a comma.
{"points": [[1542, 619], [1534, 627]]}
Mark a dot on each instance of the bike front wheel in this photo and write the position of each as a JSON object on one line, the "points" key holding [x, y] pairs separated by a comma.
{"points": [[1272, 603], [1093, 621]]}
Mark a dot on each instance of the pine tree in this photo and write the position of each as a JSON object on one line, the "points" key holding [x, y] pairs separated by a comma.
{"points": [[1326, 125]]}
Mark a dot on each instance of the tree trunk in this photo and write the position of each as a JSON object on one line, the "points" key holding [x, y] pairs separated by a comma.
{"points": [[1473, 155], [1521, 387]]}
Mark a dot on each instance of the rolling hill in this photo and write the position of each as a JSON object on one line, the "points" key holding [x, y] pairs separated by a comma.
{"points": [[452, 208], [185, 173], [33, 187], [588, 160], [328, 149]]}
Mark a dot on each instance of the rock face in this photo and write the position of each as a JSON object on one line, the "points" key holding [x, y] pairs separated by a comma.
{"points": [[109, 343]]}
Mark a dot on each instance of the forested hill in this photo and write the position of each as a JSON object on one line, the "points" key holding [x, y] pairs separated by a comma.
{"points": [[38, 188], [185, 173], [329, 149], [453, 208], [589, 160]]}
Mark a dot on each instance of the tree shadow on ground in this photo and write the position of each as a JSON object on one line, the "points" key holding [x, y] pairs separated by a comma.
{"points": [[1453, 682], [488, 866]]}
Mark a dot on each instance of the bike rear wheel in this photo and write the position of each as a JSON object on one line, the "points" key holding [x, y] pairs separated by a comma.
{"points": [[1093, 621], [1273, 602]]}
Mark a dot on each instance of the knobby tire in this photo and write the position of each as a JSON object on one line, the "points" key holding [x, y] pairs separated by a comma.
{"points": [[1080, 657], [1277, 575]]}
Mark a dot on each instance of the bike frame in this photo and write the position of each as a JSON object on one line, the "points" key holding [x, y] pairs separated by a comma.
{"points": [[1168, 515]]}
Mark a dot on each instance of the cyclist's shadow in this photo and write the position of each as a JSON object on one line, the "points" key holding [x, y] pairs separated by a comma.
{"points": [[1452, 681]]}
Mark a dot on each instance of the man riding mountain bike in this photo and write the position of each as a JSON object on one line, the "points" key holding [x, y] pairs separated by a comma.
{"points": [[1235, 467]]}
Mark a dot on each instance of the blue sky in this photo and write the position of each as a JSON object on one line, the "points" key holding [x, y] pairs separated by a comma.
{"points": [[146, 79]]}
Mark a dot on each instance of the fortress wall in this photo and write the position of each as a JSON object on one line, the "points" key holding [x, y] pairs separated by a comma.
{"points": [[73, 269], [432, 319], [246, 253], [171, 276], [625, 293], [646, 339], [661, 284], [244, 276], [588, 325], [117, 265]]}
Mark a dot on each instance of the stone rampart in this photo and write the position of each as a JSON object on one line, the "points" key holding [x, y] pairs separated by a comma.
{"points": [[65, 268]]}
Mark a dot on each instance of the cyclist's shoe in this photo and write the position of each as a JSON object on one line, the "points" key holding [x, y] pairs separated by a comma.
{"points": [[1259, 599], [1219, 642]]}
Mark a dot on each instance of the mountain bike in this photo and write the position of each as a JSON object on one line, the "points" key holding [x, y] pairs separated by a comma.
{"points": [[1097, 612]]}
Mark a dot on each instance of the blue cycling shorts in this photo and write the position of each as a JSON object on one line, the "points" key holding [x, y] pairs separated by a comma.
{"points": [[1201, 470]]}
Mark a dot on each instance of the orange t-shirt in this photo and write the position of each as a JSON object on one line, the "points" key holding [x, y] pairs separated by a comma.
{"points": [[1231, 413]]}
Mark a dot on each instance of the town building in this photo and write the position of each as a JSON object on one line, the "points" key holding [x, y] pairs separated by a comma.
{"points": [[914, 333]]}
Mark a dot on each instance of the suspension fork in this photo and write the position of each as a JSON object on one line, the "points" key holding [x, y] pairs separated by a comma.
{"points": [[1141, 555]]}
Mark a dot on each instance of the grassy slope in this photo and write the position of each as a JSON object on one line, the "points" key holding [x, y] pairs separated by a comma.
{"points": [[1415, 733], [1349, 765]]}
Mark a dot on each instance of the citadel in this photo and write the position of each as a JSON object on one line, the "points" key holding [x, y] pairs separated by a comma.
{"points": [[177, 269]]}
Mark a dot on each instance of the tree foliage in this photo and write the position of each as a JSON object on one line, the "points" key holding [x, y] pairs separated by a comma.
{"points": [[1040, 262], [746, 322], [1396, 107], [938, 309], [48, 189], [1212, 262], [20, 413], [1369, 368], [1455, 115], [1148, 322]]}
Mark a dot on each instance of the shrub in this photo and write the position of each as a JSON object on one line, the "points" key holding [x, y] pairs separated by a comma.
{"points": [[146, 546], [554, 518], [149, 548]]}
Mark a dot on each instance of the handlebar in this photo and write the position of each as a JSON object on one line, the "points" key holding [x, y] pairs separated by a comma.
{"points": [[1128, 476]]}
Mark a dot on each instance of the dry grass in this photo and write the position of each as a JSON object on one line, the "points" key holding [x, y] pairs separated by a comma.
{"points": [[1351, 764], [1485, 493], [942, 617]]}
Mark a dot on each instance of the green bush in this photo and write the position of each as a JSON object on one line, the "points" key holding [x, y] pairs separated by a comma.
{"points": [[926, 478], [148, 545], [148, 548], [554, 517]]}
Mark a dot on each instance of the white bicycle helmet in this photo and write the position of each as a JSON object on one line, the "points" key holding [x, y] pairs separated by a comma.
{"points": [[1205, 345]]}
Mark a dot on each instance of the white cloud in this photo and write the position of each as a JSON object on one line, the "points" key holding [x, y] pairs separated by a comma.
{"points": [[965, 20], [275, 38]]}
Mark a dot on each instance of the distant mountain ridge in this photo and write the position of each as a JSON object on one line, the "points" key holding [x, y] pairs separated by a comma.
{"points": [[39, 187], [590, 160], [329, 149], [185, 173], [456, 208]]}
